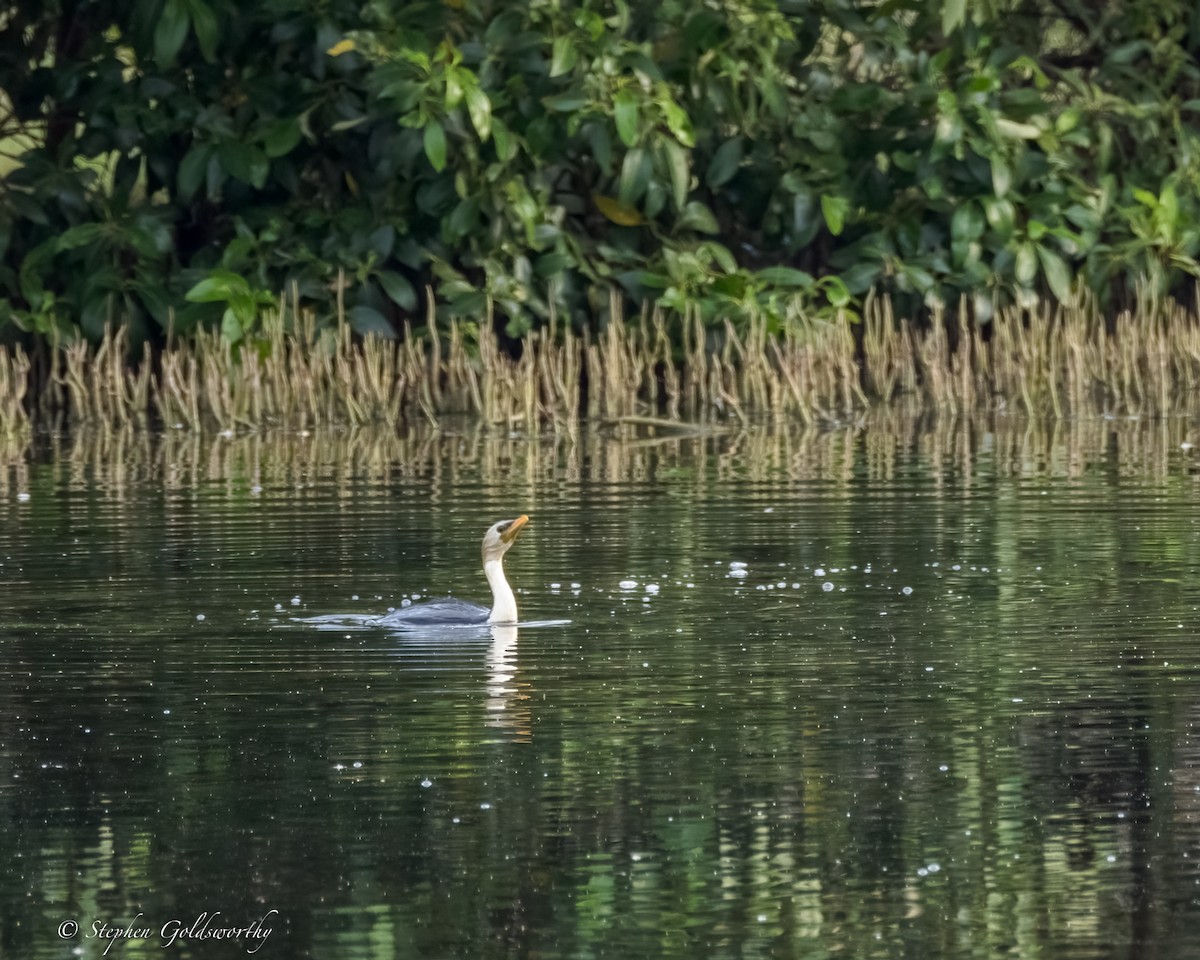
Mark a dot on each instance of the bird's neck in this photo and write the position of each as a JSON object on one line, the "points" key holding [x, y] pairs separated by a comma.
{"points": [[504, 604]]}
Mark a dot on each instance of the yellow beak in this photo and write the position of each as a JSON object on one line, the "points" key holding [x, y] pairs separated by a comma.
{"points": [[509, 535]]}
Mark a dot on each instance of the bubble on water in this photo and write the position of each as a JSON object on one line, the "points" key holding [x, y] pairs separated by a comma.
{"points": [[200, 617], [556, 586], [760, 587], [357, 764], [819, 572], [943, 768], [576, 586], [652, 588], [827, 587], [427, 782], [295, 601], [627, 584], [279, 606], [737, 565], [738, 574], [1111, 858], [485, 806], [907, 591], [1018, 699], [406, 602], [166, 712], [795, 586], [768, 509], [22, 496]]}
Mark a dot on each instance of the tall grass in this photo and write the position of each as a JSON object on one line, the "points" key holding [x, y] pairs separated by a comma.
{"points": [[645, 368]]}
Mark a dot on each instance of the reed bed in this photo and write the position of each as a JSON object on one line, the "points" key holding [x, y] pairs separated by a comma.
{"points": [[645, 369]]}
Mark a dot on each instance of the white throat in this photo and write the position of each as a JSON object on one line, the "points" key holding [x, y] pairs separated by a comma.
{"points": [[504, 604]]}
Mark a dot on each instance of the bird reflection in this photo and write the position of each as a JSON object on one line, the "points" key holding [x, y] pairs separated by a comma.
{"points": [[507, 702]]}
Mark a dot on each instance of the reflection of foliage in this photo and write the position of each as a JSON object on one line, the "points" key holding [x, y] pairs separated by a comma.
{"points": [[746, 158], [759, 774]]}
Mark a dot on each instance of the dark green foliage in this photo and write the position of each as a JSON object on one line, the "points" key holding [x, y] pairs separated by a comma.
{"points": [[182, 161]]}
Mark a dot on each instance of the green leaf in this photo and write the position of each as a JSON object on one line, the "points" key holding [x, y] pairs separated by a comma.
{"points": [[204, 22], [1026, 264], [170, 31], [192, 170], [954, 14], [231, 327], [244, 161], [480, 109], [1001, 177], [216, 288], [567, 102], [281, 137], [635, 174], [696, 216], [681, 174], [79, 235], [785, 277], [435, 145], [505, 142], [678, 122], [365, 320], [834, 210], [967, 223], [1000, 216], [725, 162], [399, 289], [1058, 275], [625, 111], [563, 56]]}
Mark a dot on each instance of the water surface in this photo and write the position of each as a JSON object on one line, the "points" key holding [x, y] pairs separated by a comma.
{"points": [[867, 694]]}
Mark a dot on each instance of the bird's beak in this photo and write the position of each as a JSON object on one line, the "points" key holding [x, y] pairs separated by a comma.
{"points": [[509, 534]]}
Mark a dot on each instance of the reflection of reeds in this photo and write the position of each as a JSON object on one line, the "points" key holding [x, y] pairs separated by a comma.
{"points": [[952, 452], [1044, 361]]}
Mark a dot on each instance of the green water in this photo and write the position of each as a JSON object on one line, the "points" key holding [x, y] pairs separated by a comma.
{"points": [[950, 708]]}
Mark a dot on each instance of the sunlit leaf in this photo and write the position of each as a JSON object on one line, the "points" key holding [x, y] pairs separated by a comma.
{"points": [[1025, 269], [1001, 177], [435, 145], [1058, 274], [785, 277], [342, 46], [834, 209], [625, 112], [696, 216], [563, 56], [480, 109], [954, 14], [681, 174]]}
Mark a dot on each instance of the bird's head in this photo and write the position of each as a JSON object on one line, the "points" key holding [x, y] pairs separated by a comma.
{"points": [[501, 536]]}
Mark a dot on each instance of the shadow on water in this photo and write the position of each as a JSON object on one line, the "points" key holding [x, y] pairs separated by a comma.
{"points": [[908, 690]]}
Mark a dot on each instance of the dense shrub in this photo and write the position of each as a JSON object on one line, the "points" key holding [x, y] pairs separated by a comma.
{"points": [[183, 161]]}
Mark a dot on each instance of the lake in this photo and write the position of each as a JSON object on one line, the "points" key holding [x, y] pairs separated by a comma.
{"points": [[908, 690]]}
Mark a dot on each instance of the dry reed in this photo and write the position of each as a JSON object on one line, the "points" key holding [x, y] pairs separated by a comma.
{"points": [[648, 369]]}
